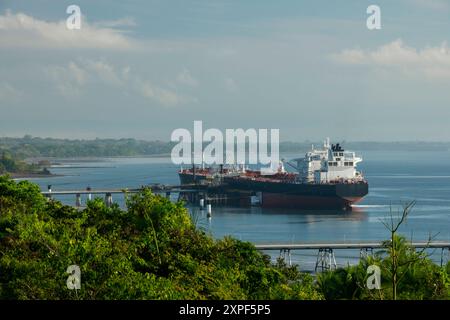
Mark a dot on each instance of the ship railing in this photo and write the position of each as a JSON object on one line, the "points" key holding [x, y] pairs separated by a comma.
{"points": [[346, 181]]}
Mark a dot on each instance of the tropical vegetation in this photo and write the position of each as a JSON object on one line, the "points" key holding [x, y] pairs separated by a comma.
{"points": [[9, 164], [155, 250]]}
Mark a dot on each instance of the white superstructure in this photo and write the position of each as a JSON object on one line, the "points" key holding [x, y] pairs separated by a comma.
{"points": [[329, 164]]}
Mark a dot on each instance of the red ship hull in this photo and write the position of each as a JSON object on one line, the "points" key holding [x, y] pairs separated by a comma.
{"points": [[279, 200]]}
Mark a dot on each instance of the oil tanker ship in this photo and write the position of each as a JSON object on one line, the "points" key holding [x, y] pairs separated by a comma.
{"points": [[325, 178]]}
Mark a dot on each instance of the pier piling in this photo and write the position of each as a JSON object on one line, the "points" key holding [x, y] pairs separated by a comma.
{"points": [[89, 196], [78, 200], [209, 210], [108, 199]]}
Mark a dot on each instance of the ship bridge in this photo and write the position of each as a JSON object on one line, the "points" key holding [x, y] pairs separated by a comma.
{"points": [[328, 164]]}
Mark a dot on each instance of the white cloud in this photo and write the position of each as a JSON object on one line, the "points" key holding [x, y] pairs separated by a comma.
{"points": [[122, 22], [72, 79], [9, 93], [106, 72], [186, 78], [163, 96], [78, 74], [21, 30], [69, 80], [433, 62], [230, 85]]}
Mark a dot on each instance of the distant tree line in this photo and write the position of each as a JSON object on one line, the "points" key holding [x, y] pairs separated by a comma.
{"points": [[34, 147]]}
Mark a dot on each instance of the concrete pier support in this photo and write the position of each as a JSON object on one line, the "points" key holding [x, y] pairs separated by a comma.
{"points": [[78, 200], [209, 211], [286, 253], [108, 200], [89, 196], [443, 259]]}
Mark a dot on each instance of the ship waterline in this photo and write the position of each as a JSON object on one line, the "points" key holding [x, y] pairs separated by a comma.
{"points": [[302, 196]]}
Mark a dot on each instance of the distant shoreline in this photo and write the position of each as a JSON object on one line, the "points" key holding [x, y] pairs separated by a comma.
{"points": [[55, 160], [64, 150], [31, 175]]}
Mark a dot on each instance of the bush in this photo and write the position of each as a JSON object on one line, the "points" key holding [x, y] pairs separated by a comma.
{"points": [[419, 277], [150, 251]]}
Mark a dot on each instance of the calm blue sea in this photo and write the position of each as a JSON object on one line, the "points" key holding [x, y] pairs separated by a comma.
{"points": [[394, 178]]}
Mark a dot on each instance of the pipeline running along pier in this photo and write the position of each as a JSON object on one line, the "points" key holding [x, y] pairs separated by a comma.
{"points": [[193, 191], [210, 193]]}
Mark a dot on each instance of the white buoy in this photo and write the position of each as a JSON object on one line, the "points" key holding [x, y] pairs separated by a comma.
{"points": [[209, 210], [202, 203], [49, 187]]}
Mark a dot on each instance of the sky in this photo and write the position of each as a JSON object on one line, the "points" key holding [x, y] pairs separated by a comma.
{"points": [[141, 69]]}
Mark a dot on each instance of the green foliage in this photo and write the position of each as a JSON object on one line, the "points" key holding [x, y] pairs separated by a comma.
{"points": [[8, 164], [153, 250], [150, 251], [28, 147], [419, 277]]}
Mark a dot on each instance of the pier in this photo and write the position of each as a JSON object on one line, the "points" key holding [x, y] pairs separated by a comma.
{"points": [[193, 193], [326, 259]]}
